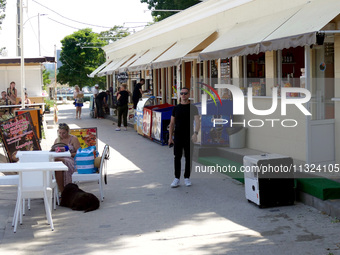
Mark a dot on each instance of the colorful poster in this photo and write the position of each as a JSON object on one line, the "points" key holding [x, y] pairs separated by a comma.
{"points": [[86, 136], [36, 119], [18, 134]]}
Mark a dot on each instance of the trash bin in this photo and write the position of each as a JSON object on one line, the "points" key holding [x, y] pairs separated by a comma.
{"points": [[237, 137]]}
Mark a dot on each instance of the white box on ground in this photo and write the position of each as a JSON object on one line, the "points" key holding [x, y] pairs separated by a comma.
{"points": [[265, 187]]}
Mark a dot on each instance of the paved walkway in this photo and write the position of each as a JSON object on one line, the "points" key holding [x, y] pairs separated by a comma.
{"points": [[141, 214]]}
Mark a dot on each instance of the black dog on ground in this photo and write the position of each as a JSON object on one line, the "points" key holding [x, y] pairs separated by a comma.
{"points": [[77, 199]]}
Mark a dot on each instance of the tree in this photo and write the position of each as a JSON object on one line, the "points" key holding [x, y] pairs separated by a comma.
{"points": [[2, 10], [81, 54], [2, 17], [167, 5], [46, 78], [113, 34]]}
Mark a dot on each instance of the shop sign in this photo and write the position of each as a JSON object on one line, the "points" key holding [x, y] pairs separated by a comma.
{"points": [[18, 134], [123, 77]]}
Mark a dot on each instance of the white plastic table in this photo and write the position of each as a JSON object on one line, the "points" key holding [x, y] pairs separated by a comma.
{"points": [[32, 166], [42, 155], [44, 167]]}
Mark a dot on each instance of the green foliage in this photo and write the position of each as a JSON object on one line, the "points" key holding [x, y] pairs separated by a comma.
{"points": [[48, 104], [168, 5], [2, 11], [46, 80], [79, 60], [2, 17], [113, 34]]}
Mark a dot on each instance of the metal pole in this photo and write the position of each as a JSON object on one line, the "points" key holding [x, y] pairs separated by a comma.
{"points": [[39, 33], [55, 110], [308, 105], [22, 62], [19, 18]]}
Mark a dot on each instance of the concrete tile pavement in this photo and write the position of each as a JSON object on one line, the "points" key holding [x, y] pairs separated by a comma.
{"points": [[141, 214]]}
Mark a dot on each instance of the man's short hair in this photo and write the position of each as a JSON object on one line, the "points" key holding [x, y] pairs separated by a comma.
{"points": [[186, 88], [142, 80]]}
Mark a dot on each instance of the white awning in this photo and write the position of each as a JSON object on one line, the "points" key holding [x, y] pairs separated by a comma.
{"points": [[132, 60], [176, 53], [290, 28], [144, 62], [102, 66], [115, 64], [243, 38], [301, 29]]}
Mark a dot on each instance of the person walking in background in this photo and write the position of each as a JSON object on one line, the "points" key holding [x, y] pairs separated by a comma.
{"points": [[137, 93], [182, 123], [78, 96], [101, 101], [122, 106], [95, 93]]}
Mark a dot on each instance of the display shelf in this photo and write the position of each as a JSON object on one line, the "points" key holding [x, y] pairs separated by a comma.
{"points": [[336, 99]]}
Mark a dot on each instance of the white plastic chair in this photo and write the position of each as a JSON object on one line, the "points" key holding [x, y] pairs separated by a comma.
{"points": [[51, 183], [32, 184], [100, 177], [51, 180]]}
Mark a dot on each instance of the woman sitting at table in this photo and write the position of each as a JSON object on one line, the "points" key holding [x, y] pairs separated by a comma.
{"points": [[73, 144], [27, 100]]}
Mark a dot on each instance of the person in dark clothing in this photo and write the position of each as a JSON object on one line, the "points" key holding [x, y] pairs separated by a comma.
{"points": [[101, 100], [137, 93], [123, 109], [182, 122]]}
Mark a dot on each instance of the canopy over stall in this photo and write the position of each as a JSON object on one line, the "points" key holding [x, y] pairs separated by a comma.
{"points": [[176, 53], [101, 67], [290, 28], [114, 65], [144, 62]]}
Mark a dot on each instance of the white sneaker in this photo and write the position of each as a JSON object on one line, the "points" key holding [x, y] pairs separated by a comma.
{"points": [[117, 129], [187, 182], [175, 183], [125, 129]]}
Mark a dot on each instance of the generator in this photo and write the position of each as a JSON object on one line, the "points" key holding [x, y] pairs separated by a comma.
{"points": [[269, 180]]}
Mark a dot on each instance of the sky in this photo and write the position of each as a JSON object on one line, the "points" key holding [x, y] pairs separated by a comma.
{"points": [[58, 23]]}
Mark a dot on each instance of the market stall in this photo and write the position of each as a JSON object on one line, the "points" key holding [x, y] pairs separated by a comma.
{"points": [[143, 102], [215, 123]]}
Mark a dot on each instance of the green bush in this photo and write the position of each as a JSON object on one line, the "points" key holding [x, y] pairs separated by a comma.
{"points": [[49, 104]]}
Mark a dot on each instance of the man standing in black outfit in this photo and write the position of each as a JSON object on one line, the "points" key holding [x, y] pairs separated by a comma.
{"points": [[182, 120], [123, 108], [137, 93], [101, 100]]}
